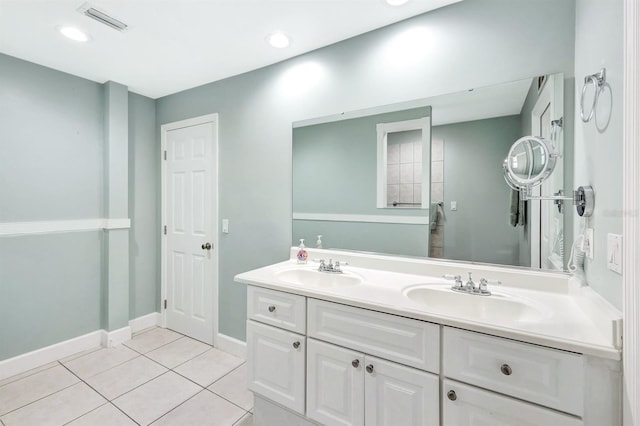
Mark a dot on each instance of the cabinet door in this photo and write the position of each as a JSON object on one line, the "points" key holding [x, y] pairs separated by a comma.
{"points": [[275, 365], [335, 384], [399, 395], [465, 405]]}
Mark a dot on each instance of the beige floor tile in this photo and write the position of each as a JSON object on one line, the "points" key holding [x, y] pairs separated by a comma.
{"points": [[56, 409], [209, 366], [125, 377], [178, 352], [28, 373], [99, 361], [107, 414], [246, 420], [233, 387], [152, 339], [203, 409], [152, 400], [34, 387]]}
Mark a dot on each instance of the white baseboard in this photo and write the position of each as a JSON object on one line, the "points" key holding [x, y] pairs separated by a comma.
{"points": [[115, 337], [95, 339], [25, 362], [231, 345], [150, 320]]}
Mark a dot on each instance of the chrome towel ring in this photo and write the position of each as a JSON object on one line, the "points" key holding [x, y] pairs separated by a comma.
{"points": [[597, 81]]}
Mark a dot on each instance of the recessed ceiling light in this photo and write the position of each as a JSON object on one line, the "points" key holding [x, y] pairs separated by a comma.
{"points": [[278, 40], [73, 33], [396, 2]]}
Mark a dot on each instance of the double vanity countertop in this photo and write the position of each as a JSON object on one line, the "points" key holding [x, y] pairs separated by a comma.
{"points": [[549, 309]]}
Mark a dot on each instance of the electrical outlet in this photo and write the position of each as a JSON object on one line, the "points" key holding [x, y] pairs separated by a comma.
{"points": [[587, 243], [614, 252]]}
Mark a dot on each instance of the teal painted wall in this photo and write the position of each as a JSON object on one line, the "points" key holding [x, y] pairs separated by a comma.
{"points": [[144, 237], [470, 44], [52, 286], [479, 229]]}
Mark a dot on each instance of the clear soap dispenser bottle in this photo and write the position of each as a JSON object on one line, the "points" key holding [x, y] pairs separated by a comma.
{"points": [[302, 252], [319, 242]]}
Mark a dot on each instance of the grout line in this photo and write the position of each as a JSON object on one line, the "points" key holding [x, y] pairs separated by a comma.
{"points": [[41, 398], [84, 414], [11, 379], [226, 399], [179, 405], [123, 412], [247, 413]]}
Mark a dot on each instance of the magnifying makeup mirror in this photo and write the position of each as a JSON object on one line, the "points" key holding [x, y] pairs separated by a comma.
{"points": [[530, 161]]}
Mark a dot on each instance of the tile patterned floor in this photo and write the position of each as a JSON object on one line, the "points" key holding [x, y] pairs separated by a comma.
{"points": [[159, 377]]}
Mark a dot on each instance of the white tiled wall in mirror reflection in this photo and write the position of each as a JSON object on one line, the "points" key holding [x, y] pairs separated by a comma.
{"points": [[404, 168]]}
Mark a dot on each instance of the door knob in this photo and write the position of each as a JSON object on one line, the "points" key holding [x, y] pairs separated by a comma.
{"points": [[206, 246], [296, 345], [355, 363], [506, 370], [452, 395], [369, 368]]}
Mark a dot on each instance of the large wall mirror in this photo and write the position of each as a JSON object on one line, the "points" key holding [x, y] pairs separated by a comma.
{"points": [[471, 213]]}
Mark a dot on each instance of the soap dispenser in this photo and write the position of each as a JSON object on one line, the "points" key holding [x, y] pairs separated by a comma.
{"points": [[319, 242], [302, 252]]}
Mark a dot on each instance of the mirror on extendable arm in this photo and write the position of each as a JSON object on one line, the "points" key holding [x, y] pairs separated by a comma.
{"points": [[530, 161]]}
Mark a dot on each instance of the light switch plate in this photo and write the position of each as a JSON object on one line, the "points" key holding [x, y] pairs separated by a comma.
{"points": [[225, 226], [587, 245], [614, 252], [454, 206]]}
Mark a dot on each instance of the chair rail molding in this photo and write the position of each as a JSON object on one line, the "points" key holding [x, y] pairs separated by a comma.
{"points": [[55, 226], [631, 215]]}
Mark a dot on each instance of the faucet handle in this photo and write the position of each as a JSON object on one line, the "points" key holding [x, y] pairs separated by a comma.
{"points": [[456, 278], [482, 288], [322, 266]]}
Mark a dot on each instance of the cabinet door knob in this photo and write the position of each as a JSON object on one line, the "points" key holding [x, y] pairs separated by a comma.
{"points": [[506, 370], [296, 345], [370, 368], [452, 395], [355, 363], [206, 246], [272, 308]]}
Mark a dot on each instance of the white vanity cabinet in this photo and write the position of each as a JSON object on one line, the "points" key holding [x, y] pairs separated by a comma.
{"points": [[311, 361], [346, 387], [275, 355]]}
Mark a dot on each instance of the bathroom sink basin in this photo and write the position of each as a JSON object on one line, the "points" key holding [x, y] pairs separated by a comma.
{"points": [[313, 278], [494, 308]]}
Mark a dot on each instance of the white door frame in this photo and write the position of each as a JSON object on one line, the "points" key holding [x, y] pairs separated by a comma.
{"points": [[545, 98], [631, 215], [164, 129]]}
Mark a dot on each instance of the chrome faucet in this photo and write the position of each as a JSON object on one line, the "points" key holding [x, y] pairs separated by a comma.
{"points": [[330, 268], [470, 287]]}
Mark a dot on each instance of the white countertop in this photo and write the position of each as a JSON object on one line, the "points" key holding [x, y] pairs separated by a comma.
{"points": [[574, 317]]}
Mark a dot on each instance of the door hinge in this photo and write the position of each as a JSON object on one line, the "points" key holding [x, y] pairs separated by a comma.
{"points": [[165, 303], [165, 155], [165, 230]]}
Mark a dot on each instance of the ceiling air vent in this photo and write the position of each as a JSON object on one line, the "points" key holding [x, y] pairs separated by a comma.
{"points": [[102, 17]]}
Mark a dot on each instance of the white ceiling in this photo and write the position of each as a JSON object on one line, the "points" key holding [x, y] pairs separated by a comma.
{"points": [[173, 45]]}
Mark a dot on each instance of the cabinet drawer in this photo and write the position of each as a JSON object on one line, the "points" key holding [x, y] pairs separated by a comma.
{"points": [[276, 365], [407, 341], [465, 405], [277, 308], [545, 376]]}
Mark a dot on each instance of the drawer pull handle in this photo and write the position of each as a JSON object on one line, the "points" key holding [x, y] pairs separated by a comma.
{"points": [[506, 370], [296, 345], [355, 363], [452, 395], [272, 308], [370, 368]]}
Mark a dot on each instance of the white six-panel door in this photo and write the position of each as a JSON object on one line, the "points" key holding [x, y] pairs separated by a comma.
{"points": [[189, 226]]}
